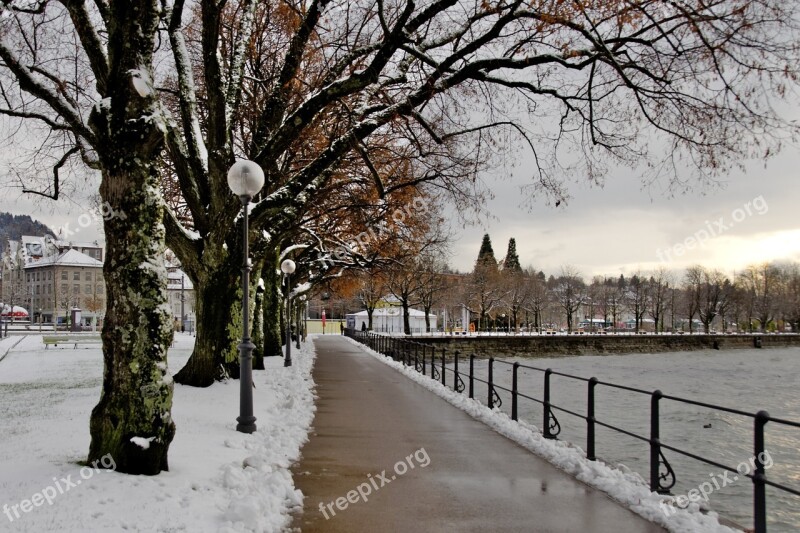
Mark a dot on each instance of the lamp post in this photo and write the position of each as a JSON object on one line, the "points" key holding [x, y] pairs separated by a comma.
{"points": [[40, 320], [287, 267], [245, 179], [183, 300]]}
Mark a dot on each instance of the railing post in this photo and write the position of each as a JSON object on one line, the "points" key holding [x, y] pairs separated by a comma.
{"points": [[490, 402], [444, 381], [759, 488], [546, 405], [655, 443], [455, 372], [471, 374], [590, 421], [514, 392]]}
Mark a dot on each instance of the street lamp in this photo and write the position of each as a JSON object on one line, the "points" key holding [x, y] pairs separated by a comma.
{"points": [[245, 179], [287, 267], [183, 300], [40, 320]]}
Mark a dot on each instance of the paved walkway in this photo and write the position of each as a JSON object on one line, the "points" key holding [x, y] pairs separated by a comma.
{"points": [[370, 417]]}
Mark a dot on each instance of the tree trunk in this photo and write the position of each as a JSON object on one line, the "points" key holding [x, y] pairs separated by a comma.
{"points": [[406, 320], [257, 327], [136, 399], [272, 306], [218, 306], [132, 422]]}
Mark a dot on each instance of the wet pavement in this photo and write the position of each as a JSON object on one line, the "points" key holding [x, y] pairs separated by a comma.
{"points": [[386, 454]]}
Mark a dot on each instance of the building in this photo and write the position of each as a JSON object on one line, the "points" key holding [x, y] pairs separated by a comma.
{"points": [[61, 282], [51, 277], [180, 293], [390, 320]]}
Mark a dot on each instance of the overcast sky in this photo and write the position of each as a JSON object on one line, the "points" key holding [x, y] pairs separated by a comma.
{"points": [[620, 228], [624, 227]]}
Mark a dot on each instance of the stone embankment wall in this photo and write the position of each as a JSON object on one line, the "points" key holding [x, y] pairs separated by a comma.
{"points": [[571, 345]]}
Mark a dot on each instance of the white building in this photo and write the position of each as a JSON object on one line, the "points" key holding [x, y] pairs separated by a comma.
{"points": [[390, 320], [180, 293]]}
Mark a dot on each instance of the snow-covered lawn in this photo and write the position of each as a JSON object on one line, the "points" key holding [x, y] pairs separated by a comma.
{"points": [[620, 483], [219, 479]]}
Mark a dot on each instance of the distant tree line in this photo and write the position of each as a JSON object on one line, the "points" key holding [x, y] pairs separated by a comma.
{"points": [[503, 295]]}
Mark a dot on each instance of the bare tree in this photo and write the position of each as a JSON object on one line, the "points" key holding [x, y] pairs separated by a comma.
{"points": [[570, 292], [537, 296], [433, 285], [658, 296], [636, 298], [712, 296], [761, 283], [371, 292], [692, 283], [485, 292]]}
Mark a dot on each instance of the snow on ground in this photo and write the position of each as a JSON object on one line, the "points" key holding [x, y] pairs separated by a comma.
{"points": [[219, 479], [623, 485]]}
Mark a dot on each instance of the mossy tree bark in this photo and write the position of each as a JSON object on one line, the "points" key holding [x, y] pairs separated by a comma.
{"points": [[136, 398], [219, 328], [257, 327], [272, 306]]}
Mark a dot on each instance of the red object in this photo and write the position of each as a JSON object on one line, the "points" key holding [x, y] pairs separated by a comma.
{"points": [[17, 312], [323, 318]]}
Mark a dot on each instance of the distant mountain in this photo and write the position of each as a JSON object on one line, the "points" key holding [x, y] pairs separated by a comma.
{"points": [[13, 227]]}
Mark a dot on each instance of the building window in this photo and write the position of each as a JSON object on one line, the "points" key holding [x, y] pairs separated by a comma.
{"points": [[37, 289], [49, 275], [99, 288], [76, 289], [87, 289], [76, 276], [88, 276], [63, 275]]}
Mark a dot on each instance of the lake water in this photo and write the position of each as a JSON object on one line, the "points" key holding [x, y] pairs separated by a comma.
{"points": [[749, 380]]}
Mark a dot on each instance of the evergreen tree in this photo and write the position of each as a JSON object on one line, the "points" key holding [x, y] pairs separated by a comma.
{"points": [[486, 254], [511, 262]]}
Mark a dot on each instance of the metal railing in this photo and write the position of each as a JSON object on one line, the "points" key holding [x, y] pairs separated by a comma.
{"points": [[661, 476]]}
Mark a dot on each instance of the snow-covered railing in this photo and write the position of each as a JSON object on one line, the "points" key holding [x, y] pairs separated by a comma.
{"points": [[662, 476]]}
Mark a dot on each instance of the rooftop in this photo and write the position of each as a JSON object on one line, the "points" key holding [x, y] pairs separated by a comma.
{"points": [[68, 258]]}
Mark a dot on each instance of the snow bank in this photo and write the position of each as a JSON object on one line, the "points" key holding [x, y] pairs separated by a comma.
{"points": [[623, 485], [219, 479]]}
